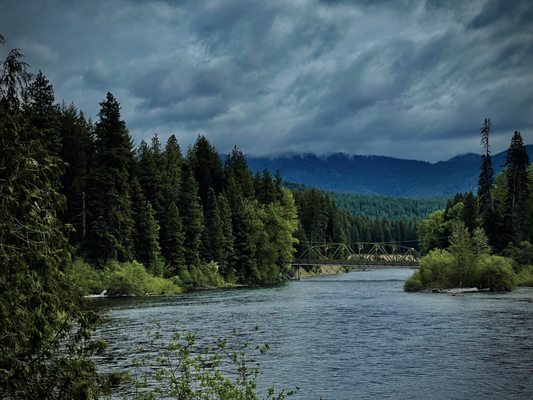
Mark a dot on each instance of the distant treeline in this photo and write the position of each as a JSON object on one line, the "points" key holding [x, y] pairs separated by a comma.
{"points": [[373, 206], [322, 220]]}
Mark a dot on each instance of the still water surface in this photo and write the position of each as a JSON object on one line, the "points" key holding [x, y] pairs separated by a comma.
{"points": [[355, 336]]}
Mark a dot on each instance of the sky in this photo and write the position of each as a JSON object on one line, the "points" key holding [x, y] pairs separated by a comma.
{"points": [[402, 78]]}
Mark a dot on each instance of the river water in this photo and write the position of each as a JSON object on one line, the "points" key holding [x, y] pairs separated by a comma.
{"points": [[354, 336]]}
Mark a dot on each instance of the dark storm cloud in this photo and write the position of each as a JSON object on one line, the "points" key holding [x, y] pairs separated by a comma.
{"points": [[402, 78]]}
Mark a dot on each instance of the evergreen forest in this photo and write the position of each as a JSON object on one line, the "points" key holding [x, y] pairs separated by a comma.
{"points": [[482, 240]]}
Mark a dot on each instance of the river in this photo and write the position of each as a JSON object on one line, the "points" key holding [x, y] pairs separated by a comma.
{"points": [[354, 336]]}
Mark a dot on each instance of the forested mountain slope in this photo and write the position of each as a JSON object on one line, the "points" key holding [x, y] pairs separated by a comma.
{"points": [[380, 175]]}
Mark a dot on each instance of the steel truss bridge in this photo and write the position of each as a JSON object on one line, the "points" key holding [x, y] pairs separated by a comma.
{"points": [[361, 254]]}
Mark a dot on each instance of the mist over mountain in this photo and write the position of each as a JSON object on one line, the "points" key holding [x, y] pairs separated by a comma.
{"points": [[379, 175]]}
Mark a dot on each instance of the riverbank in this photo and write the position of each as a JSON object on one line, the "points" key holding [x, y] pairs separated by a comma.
{"points": [[322, 270]]}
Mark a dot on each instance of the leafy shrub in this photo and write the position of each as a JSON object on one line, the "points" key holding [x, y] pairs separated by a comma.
{"points": [[521, 254], [206, 275], [87, 279], [187, 370], [158, 285], [525, 276], [131, 278], [495, 273], [413, 284], [436, 269]]}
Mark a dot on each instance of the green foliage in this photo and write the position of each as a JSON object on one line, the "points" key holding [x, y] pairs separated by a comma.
{"points": [[525, 276], [392, 208], [45, 344], [109, 201], [202, 276], [521, 254], [495, 273], [150, 173], [191, 213], [430, 231], [131, 278], [75, 132], [467, 263], [486, 189], [517, 163], [188, 370], [413, 283], [172, 239], [87, 279], [321, 220], [119, 279], [147, 249], [213, 235], [437, 269], [206, 168]]}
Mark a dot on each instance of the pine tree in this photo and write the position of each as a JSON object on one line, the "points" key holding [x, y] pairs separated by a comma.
{"points": [[14, 79], [172, 164], [213, 235], [192, 217], [41, 327], [517, 163], [485, 189], [43, 114], [76, 134], [244, 250], [228, 251], [236, 168], [529, 212], [109, 191], [265, 188], [206, 168], [470, 212], [173, 239], [151, 174], [171, 234], [147, 249]]}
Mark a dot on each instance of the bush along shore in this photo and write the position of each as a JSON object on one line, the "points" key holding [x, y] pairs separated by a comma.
{"points": [[483, 241], [468, 266]]}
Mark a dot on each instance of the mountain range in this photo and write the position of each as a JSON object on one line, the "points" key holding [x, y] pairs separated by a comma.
{"points": [[380, 175]]}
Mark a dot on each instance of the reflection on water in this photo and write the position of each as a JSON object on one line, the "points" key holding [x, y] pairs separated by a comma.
{"points": [[354, 336]]}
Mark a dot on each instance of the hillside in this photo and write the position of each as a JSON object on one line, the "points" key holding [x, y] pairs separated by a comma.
{"points": [[378, 175]]}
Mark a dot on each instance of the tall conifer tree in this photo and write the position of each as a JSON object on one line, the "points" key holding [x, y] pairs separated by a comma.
{"points": [[485, 189], [151, 174], [109, 189], [191, 212], [206, 167], [213, 235], [228, 255], [173, 239], [43, 114], [39, 310], [147, 249], [517, 163], [76, 134]]}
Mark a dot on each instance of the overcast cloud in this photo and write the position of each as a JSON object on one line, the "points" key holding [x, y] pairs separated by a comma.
{"points": [[407, 79]]}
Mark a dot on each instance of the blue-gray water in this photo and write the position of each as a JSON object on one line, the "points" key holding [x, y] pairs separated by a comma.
{"points": [[356, 336]]}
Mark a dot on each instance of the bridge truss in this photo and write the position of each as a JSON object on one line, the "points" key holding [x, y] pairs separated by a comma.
{"points": [[360, 253]]}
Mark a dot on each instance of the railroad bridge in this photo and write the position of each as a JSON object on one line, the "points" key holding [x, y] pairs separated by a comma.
{"points": [[360, 254]]}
